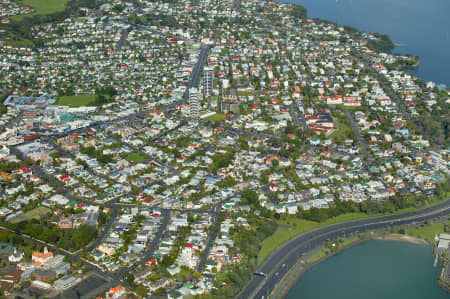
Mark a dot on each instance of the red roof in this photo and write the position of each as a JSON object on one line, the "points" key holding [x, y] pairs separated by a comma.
{"points": [[24, 169]]}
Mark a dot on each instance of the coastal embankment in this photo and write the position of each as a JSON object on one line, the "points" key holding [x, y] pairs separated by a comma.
{"points": [[401, 237]]}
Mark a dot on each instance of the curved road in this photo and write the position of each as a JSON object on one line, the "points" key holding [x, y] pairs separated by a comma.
{"points": [[285, 257]]}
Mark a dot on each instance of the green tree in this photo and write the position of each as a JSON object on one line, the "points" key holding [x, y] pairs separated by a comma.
{"points": [[197, 275], [129, 278], [141, 291]]}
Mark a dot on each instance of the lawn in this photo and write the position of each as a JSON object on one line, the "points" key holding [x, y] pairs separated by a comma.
{"points": [[245, 93], [299, 226], [42, 7], [344, 130], [215, 118], [428, 232], [36, 213], [136, 157], [283, 235], [76, 101]]}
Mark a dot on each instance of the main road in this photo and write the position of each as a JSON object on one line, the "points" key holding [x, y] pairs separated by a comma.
{"points": [[285, 257], [197, 71]]}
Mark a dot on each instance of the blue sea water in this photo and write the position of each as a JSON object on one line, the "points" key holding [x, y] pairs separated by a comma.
{"points": [[373, 270], [422, 28]]}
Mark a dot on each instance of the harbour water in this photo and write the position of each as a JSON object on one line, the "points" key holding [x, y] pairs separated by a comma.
{"points": [[372, 270], [421, 28]]}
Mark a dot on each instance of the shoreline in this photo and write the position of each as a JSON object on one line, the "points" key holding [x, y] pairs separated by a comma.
{"points": [[307, 265], [297, 274], [395, 45], [402, 238]]}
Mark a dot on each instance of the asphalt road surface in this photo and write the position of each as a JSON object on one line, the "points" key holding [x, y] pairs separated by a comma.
{"points": [[279, 263]]}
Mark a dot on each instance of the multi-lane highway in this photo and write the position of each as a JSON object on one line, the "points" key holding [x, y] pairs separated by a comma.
{"points": [[285, 257]]}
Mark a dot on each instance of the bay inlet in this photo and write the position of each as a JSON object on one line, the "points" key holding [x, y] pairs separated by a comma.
{"points": [[371, 270], [420, 28]]}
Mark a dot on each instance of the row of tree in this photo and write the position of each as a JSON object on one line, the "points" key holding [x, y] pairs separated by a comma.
{"points": [[391, 205], [237, 276], [98, 154], [69, 239]]}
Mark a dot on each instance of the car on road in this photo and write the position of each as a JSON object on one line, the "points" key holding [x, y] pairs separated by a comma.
{"points": [[260, 274]]}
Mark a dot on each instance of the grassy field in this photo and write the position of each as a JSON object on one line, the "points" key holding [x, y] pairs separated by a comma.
{"points": [[42, 7], [299, 226], [428, 232], [136, 157], [245, 93], [344, 130], [16, 40], [36, 213], [76, 101], [216, 117]]}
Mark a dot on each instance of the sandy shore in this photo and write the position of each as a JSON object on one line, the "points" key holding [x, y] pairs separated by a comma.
{"points": [[404, 238]]}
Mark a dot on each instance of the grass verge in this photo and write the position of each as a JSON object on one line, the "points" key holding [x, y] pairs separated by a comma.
{"points": [[301, 226]]}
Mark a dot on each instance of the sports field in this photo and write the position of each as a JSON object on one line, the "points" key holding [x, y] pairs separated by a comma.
{"points": [[76, 101]]}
